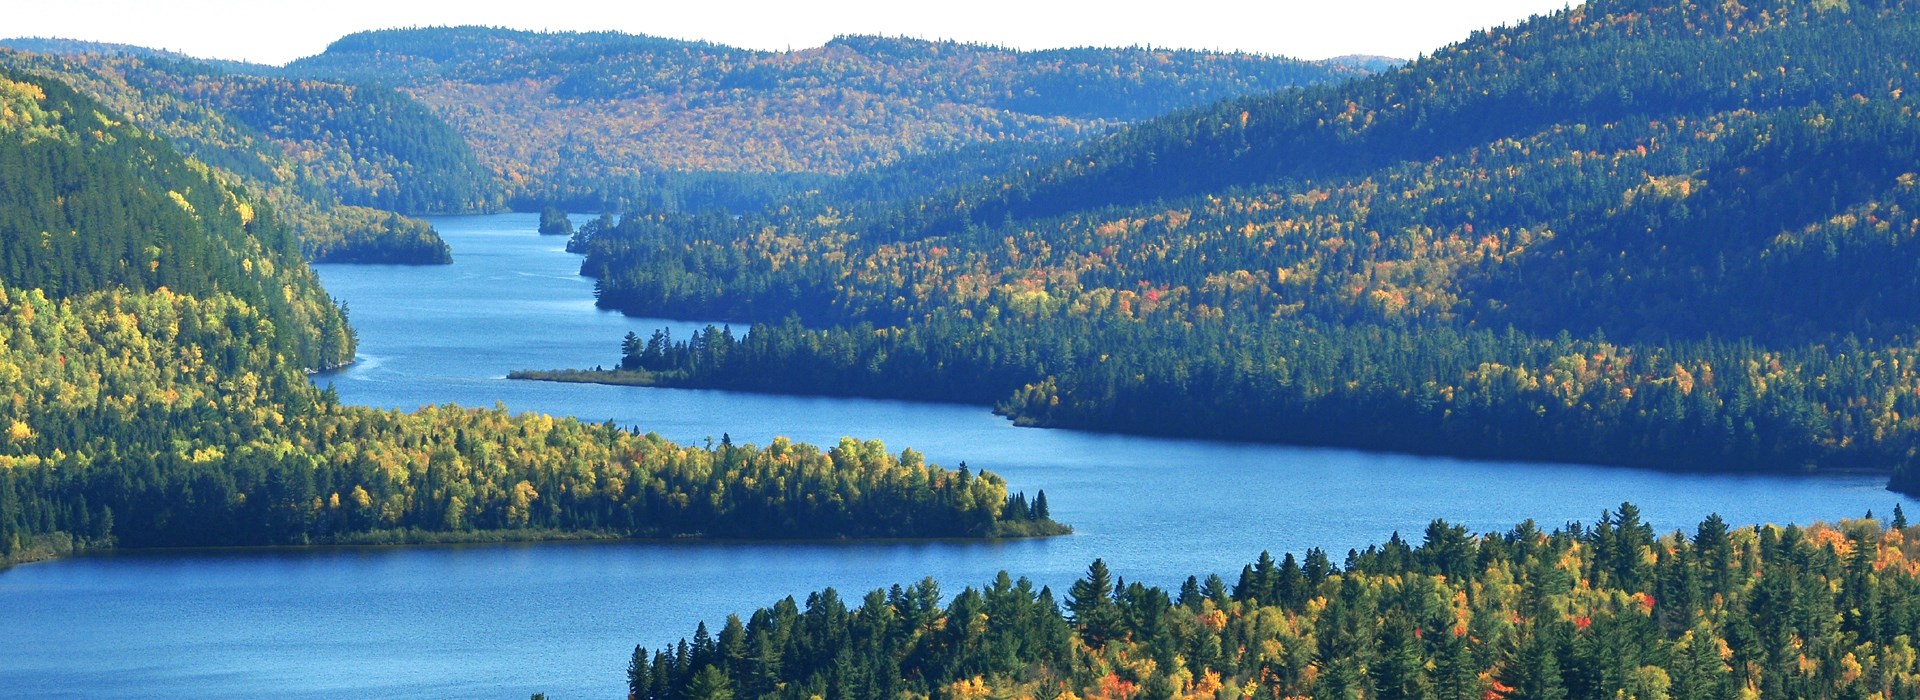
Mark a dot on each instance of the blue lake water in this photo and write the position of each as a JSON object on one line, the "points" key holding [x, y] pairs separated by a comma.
{"points": [[506, 621]]}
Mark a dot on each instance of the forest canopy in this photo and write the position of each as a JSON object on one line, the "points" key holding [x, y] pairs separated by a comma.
{"points": [[1585, 612]]}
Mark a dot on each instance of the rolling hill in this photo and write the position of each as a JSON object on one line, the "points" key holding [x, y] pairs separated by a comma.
{"points": [[591, 118], [345, 165], [1653, 233]]}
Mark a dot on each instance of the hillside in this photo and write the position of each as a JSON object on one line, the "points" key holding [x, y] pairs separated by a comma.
{"points": [[337, 161], [1648, 233], [591, 117], [372, 147], [1604, 63], [157, 325]]}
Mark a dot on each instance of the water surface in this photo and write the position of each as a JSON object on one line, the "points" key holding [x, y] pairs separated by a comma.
{"points": [[506, 621]]}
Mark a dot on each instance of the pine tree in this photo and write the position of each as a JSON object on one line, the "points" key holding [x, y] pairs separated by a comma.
{"points": [[1215, 589], [1090, 601], [709, 683], [630, 349], [1190, 593], [1317, 567], [1291, 588], [1400, 672], [639, 683], [1455, 675], [1536, 674], [1265, 579], [733, 646], [664, 680]]}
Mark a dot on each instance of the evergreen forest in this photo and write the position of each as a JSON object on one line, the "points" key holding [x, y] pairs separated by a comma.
{"points": [[1609, 611]]}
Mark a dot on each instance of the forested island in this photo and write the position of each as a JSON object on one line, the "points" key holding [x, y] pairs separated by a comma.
{"points": [[1607, 611], [1546, 242], [157, 328]]}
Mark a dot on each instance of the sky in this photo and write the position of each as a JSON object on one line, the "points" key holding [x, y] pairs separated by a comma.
{"points": [[277, 31]]}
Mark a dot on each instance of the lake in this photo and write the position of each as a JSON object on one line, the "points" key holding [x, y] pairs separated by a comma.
{"points": [[509, 620]]}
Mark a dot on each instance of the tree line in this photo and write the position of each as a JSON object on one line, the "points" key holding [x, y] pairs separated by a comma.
{"points": [[1605, 611]]}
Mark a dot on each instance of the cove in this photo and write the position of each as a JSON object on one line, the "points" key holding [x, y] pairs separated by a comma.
{"points": [[508, 620]]}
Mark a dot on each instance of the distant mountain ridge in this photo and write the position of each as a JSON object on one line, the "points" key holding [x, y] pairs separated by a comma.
{"points": [[1368, 62], [615, 120], [602, 117], [72, 47]]}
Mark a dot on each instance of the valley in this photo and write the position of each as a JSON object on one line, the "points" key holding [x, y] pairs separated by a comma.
{"points": [[1574, 360]]}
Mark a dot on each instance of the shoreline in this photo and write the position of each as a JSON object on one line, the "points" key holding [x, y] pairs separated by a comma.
{"points": [[490, 538], [643, 378]]}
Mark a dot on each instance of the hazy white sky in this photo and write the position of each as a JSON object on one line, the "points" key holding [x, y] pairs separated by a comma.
{"points": [[276, 31]]}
